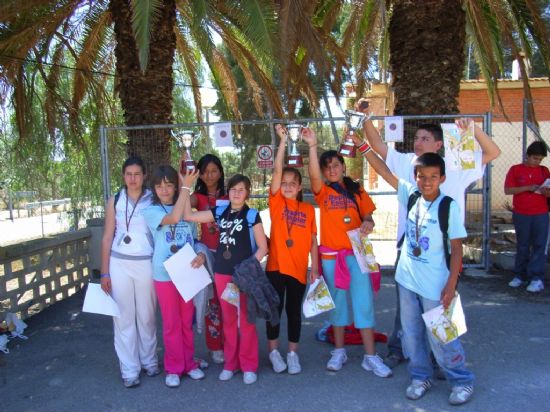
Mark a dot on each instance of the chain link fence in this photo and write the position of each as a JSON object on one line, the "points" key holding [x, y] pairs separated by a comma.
{"points": [[248, 135]]}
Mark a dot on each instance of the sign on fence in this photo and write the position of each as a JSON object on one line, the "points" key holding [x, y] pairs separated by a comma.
{"points": [[264, 156]]}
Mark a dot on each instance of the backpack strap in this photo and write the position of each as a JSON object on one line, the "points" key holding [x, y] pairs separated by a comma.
{"points": [[413, 198], [443, 217], [117, 196], [251, 218]]}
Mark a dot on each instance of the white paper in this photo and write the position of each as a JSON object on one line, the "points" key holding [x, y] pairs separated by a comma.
{"points": [[97, 301], [318, 299], [363, 251], [460, 147], [223, 135], [188, 280], [446, 325], [393, 129], [546, 183]]}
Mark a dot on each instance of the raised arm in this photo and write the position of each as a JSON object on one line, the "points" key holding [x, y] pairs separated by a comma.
{"points": [[279, 158], [175, 216], [371, 133], [188, 214], [315, 177], [375, 161], [488, 147]]}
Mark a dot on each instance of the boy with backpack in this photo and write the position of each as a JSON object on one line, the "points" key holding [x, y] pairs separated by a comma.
{"points": [[428, 138], [422, 275]]}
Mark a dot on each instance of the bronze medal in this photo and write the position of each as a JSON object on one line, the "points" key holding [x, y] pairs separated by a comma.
{"points": [[227, 254], [347, 220], [174, 248], [289, 242], [417, 251], [127, 239]]}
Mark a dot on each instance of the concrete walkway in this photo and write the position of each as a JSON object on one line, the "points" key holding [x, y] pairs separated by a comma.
{"points": [[69, 364]]}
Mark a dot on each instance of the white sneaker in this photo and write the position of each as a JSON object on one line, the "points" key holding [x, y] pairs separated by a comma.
{"points": [[226, 375], [201, 362], [277, 361], [172, 380], [461, 395], [152, 371], [337, 359], [217, 356], [131, 382], [375, 364], [417, 389], [535, 286], [195, 374], [249, 378], [293, 362], [515, 283]]}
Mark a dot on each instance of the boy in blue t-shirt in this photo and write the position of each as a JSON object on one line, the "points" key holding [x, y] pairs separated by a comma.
{"points": [[424, 281]]}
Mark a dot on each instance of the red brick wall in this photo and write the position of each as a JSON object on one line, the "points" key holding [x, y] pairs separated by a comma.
{"points": [[477, 101]]}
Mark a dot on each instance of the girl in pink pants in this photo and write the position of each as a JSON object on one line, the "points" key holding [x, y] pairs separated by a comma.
{"points": [[240, 349]]}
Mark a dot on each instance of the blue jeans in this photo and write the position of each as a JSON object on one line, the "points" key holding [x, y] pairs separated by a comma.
{"points": [[417, 343], [531, 234]]}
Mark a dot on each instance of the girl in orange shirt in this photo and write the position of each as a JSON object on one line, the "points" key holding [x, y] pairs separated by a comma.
{"points": [[344, 205], [293, 238]]}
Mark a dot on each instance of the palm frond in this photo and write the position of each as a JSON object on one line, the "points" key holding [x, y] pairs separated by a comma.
{"points": [[96, 25], [145, 13]]}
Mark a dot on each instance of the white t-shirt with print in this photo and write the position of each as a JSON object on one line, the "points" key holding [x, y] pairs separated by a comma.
{"points": [[455, 184]]}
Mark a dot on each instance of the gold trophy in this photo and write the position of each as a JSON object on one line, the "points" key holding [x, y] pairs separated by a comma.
{"points": [[354, 122], [186, 139], [294, 158]]}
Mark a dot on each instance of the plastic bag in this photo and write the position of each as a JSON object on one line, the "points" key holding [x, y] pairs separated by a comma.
{"points": [[231, 294], [318, 299]]}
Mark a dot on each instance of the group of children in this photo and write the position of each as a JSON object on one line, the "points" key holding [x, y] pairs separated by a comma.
{"points": [[143, 229]]}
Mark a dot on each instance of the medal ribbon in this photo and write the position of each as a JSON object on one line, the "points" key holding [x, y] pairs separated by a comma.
{"points": [[290, 222], [133, 210], [417, 226], [172, 227], [226, 231]]}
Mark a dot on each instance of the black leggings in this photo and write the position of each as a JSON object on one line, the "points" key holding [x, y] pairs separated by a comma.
{"points": [[294, 295]]}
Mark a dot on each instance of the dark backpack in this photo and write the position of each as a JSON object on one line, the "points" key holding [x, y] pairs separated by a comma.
{"points": [[443, 217]]}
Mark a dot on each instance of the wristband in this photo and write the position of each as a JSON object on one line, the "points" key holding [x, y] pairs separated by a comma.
{"points": [[364, 148], [104, 275], [363, 143], [186, 188]]}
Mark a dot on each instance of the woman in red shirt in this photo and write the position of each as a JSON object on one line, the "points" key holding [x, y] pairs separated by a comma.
{"points": [[209, 193]]}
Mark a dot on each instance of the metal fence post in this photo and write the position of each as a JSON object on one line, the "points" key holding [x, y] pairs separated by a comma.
{"points": [[104, 162], [486, 261]]}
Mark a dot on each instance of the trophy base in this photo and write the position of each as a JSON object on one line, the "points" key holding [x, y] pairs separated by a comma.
{"points": [[187, 166], [295, 161], [347, 150]]}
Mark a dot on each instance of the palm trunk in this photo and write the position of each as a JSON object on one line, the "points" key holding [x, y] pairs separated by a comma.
{"points": [[146, 97], [427, 42]]}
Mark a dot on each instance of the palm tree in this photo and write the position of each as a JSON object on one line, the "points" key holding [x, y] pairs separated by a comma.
{"points": [[422, 44]]}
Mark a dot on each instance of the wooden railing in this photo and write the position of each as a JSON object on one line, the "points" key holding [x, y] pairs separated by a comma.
{"points": [[38, 273]]}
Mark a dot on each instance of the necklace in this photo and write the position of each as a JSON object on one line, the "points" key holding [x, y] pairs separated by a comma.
{"points": [[227, 253], [173, 247], [127, 239], [417, 250], [290, 223]]}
